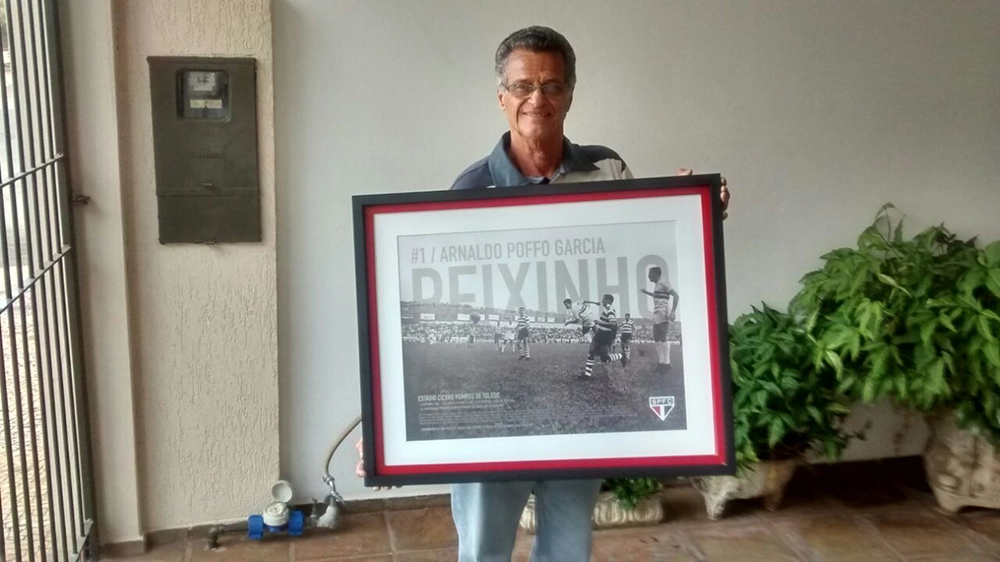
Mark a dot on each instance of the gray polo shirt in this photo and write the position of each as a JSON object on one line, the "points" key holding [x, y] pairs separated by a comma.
{"points": [[579, 164]]}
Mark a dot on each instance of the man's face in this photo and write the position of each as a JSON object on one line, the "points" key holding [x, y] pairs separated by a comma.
{"points": [[568, 304], [654, 275], [536, 116]]}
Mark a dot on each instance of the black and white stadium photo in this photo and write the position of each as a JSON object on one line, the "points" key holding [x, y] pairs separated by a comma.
{"points": [[519, 332]]}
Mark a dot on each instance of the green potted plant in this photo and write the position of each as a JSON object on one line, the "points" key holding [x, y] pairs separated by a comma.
{"points": [[622, 502], [630, 492], [783, 408], [915, 321]]}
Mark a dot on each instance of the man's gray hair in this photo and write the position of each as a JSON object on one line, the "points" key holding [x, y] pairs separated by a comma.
{"points": [[537, 39]]}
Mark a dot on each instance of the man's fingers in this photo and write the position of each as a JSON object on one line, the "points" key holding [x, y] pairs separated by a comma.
{"points": [[684, 172], [724, 196]]}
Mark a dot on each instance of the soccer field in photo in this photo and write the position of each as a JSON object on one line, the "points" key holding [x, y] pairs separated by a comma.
{"points": [[455, 391]]}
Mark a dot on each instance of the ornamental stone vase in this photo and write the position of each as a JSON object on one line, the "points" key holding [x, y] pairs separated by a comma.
{"points": [[765, 479], [608, 513], [962, 469]]}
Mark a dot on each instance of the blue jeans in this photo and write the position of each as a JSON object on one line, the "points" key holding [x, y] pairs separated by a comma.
{"points": [[487, 514]]}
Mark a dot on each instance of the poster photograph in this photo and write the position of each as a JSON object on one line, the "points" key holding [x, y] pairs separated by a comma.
{"points": [[558, 331]]}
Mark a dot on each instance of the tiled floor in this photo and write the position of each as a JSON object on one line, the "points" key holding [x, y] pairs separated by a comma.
{"points": [[848, 512]]}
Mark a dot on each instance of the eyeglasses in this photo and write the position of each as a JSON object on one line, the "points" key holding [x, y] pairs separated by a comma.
{"points": [[548, 89]]}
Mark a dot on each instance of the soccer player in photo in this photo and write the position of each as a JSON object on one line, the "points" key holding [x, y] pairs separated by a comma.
{"points": [[625, 332], [498, 336], [474, 318], [522, 335], [584, 314], [508, 338], [665, 300], [605, 329]]}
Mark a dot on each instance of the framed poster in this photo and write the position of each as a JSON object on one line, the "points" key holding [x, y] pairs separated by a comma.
{"points": [[544, 332]]}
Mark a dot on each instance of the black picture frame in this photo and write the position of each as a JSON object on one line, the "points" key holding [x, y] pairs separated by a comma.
{"points": [[410, 452]]}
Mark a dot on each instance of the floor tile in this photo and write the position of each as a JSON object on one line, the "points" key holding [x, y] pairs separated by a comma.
{"points": [[833, 538], [375, 558], [847, 512], [744, 543], [269, 549], [984, 522], [172, 552], [358, 534], [958, 558], [446, 555], [641, 544], [923, 534], [422, 529]]}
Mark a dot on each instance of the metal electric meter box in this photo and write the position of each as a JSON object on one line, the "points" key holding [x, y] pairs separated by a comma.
{"points": [[205, 145]]}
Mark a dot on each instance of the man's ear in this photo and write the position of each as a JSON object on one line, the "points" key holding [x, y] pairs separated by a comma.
{"points": [[500, 98]]}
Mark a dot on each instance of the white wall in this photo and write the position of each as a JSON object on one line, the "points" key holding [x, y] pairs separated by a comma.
{"points": [[817, 112]]}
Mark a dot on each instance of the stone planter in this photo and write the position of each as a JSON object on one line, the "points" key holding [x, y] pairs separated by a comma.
{"points": [[608, 513], [962, 469], [765, 480]]}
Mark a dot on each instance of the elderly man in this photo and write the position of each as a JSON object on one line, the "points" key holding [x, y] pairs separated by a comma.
{"points": [[536, 72]]}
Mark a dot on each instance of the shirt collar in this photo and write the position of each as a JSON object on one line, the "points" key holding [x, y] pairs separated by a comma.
{"points": [[506, 174]]}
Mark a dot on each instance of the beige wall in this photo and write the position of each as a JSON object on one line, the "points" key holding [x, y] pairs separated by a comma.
{"points": [[202, 318], [92, 130]]}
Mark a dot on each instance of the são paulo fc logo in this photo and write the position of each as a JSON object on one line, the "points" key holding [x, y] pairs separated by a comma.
{"points": [[661, 406]]}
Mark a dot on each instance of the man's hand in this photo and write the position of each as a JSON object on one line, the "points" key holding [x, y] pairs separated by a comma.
{"points": [[359, 469], [723, 193]]}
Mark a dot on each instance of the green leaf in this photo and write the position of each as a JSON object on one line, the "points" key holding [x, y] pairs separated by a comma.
{"points": [[881, 362], [937, 375], [771, 387], [838, 408], [992, 254], [992, 353], [775, 432], [892, 282], [816, 414], [845, 385], [993, 281], [868, 390], [901, 390], [983, 326], [945, 321], [926, 331], [972, 280], [811, 321], [834, 360]]}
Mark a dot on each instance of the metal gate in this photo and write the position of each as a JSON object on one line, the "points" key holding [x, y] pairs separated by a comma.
{"points": [[46, 491]]}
